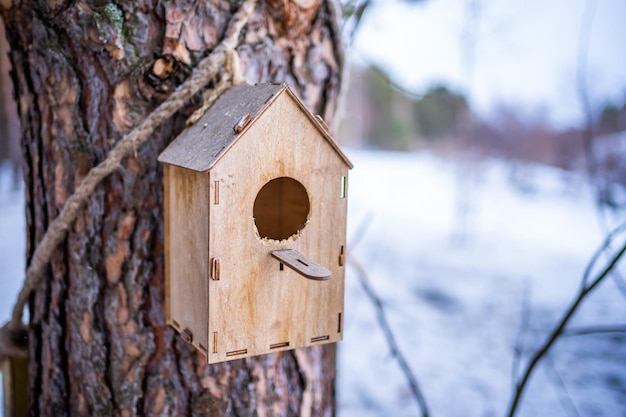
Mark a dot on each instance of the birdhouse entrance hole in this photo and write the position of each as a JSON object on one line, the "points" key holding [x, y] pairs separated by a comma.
{"points": [[281, 209]]}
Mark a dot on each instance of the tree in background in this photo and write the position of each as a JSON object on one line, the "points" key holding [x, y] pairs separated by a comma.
{"points": [[612, 119], [86, 72], [438, 113], [388, 122], [393, 119]]}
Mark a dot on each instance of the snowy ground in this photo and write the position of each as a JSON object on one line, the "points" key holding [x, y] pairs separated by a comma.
{"points": [[454, 308]]}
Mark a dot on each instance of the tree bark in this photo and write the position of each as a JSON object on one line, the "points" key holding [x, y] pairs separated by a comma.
{"points": [[9, 125], [86, 72]]}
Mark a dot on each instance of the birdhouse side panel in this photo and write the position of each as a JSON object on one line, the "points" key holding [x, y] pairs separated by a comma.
{"points": [[260, 305], [187, 233]]}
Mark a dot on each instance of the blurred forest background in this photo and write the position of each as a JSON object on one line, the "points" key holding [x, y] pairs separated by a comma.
{"points": [[458, 312], [382, 116], [472, 48], [378, 114]]}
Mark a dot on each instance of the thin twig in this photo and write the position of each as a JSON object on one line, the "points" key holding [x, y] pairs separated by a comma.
{"points": [[587, 131], [565, 398], [360, 232], [558, 330], [518, 349], [620, 282], [606, 245], [603, 247], [583, 94], [387, 79], [353, 23], [202, 74], [583, 331], [389, 337]]}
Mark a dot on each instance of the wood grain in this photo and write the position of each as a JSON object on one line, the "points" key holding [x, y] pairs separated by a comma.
{"points": [[15, 386], [256, 306], [71, 85], [186, 251]]}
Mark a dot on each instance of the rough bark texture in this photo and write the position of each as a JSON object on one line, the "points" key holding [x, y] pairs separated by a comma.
{"points": [[86, 72], [9, 125]]}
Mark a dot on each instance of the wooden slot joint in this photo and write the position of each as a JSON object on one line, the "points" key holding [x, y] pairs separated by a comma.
{"points": [[320, 338], [242, 123], [303, 265], [187, 336], [343, 187], [322, 122], [237, 352], [216, 269], [203, 348], [339, 322], [214, 342], [342, 256], [279, 345], [216, 192]]}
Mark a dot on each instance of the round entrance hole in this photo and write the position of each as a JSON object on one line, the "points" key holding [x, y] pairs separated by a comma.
{"points": [[281, 208]]}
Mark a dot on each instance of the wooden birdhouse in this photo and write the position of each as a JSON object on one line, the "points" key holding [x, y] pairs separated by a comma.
{"points": [[255, 227]]}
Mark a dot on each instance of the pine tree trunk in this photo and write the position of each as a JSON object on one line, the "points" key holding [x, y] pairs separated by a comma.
{"points": [[9, 125], [86, 72]]}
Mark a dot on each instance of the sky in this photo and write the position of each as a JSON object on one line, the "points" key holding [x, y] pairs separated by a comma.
{"points": [[524, 53]]}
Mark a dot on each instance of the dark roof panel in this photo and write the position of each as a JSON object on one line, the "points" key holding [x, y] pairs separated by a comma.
{"points": [[199, 146]]}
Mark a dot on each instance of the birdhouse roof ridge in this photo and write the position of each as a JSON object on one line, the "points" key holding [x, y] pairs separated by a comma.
{"points": [[201, 145]]}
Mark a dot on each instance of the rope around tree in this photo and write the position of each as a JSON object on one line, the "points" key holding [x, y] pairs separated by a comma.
{"points": [[13, 342]]}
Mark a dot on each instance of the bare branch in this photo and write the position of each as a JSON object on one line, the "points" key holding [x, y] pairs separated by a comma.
{"points": [[389, 337], [352, 24], [521, 335], [393, 84], [620, 282], [360, 232], [558, 330], [583, 331], [568, 406], [603, 247], [581, 80], [587, 131]]}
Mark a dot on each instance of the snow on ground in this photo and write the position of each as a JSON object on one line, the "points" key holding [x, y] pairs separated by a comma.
{"points": [[454, 304], [12, 244], [455, 308], [12, 241]]}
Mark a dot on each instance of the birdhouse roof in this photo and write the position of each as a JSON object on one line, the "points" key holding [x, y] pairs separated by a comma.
{"points": [[201, 145]]}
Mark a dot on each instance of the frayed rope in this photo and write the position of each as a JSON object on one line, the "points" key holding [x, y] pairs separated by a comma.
{"points": [[13, 335]]}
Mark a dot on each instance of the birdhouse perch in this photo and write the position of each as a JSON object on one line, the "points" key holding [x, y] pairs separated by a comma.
{"points": [[255, 227]]}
